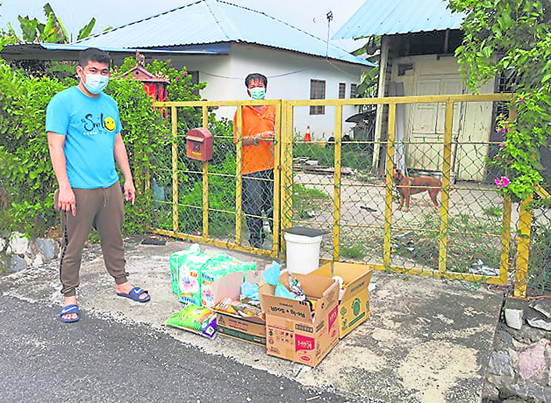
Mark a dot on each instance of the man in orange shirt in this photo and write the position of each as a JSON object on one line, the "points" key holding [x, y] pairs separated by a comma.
{"points": [[258, 158]]}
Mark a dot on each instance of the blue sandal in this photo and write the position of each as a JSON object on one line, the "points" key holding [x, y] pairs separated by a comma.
{"points": [[66, 310], [134, 295]]}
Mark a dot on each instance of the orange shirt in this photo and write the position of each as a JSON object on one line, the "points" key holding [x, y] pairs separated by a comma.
{"points": [[256, 157]]}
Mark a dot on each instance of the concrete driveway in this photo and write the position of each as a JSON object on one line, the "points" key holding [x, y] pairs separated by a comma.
{"points": [[427, 340]]}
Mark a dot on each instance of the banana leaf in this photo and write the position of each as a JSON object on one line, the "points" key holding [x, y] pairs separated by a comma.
{"points": [[86, 30]]}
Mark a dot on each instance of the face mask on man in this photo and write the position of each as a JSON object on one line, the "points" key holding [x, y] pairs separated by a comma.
{"points": [[258, 93], [96, 83]]}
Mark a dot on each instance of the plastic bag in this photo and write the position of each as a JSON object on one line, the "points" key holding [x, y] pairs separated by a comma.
{"points": [[282, 291], [271, 274], [249, 290]]}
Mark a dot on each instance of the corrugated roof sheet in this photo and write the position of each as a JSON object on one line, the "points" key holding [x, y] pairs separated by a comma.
{"points": [[388, 17], [216, 21], [81, 46]]}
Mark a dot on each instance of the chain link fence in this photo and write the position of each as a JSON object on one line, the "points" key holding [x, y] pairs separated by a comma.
{"points": [[539, 261], [227, 201]]}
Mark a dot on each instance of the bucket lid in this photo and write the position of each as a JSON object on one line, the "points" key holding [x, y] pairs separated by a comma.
{"points": [[304, 231]]}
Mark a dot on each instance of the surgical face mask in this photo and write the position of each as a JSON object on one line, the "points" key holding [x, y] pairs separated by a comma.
{"points": [[96, 83], [258, 93]]}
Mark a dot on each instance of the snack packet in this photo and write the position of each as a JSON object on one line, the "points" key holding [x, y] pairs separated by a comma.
{"points": [[226, 305], [195, 319]]}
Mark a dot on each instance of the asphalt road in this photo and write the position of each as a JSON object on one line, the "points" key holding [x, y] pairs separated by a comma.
{"points": [[102, 360]]}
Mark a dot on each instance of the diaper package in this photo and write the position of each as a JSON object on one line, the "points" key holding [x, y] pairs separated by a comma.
{"points": [[193, 273], [218, 266], [189, 279], [177, 260]]}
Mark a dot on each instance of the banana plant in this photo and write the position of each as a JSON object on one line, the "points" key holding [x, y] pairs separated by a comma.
{"points": [[53, 31]]}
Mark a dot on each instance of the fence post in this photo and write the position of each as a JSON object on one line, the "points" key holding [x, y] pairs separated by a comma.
{"points": [[205, 182], [445, 207], [337, 184], [287, 166], [523, 254], [389, 173], [239, 175], [174, 119], [277, 181]]}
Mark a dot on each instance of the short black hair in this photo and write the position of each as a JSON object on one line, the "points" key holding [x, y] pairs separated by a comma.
{"points": [[94, 55], [254, 77]]}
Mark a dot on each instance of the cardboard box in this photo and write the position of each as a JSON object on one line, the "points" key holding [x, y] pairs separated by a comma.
{"points": [[293, 330], [354, 307], [252, 330]]}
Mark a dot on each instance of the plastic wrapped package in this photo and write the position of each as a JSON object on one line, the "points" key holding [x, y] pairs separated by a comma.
{"points": [[195, 319]]}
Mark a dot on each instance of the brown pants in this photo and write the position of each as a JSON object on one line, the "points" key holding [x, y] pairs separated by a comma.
{"points": [[103, 209]]}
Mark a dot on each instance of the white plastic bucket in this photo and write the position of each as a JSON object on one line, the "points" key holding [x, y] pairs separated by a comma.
{"points": [[303, 253]]}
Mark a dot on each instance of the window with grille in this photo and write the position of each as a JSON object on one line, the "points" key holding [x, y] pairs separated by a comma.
{"points": [[353, 90], [342, 90], [317, 91], [194, 80]]}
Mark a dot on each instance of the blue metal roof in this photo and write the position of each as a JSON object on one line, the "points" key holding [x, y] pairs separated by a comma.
{"points": [[82, 46], [216, 21], [388, 17]]}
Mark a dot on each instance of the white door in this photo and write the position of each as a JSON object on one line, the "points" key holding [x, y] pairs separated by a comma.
{"points": [[427, 126]]}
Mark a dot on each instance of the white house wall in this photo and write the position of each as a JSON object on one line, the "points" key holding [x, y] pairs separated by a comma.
{"points": [[289, 76], [424, 123]]}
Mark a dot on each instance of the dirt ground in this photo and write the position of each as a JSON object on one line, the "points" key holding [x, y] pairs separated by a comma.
{"points": [[478, 206]]}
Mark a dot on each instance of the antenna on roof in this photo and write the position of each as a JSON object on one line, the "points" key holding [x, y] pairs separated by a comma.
{"points": [[329, 19]]}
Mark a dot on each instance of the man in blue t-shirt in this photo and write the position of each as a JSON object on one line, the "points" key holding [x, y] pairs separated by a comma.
{"points": [[84, 137]]}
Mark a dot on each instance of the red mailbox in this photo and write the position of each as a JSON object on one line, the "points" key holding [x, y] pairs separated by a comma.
{"points": [[199, 144]]}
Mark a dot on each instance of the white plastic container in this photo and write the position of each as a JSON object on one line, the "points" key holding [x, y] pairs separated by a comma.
{"points": [[303, 253]]}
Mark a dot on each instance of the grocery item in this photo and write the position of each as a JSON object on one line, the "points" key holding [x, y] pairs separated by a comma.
{"points": [[177, 260], [247, 308], [218, 266], [340, 280], [189, 278], [295, 288], [195, 319], [226, 305]]}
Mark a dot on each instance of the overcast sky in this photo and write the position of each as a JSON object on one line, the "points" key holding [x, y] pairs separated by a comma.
{"points": [[308, 15]]}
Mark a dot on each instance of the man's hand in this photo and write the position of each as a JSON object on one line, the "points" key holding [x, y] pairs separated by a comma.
{"points": [[267, 136], [67, 200], [129, 191]]}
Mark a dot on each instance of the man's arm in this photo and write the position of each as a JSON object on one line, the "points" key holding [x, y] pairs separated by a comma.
{"points": [[122, 159], [255, 140], [66, 200]]}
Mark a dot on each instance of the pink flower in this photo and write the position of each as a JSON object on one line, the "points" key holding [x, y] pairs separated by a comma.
{"points": [[185, 73], [503, 182], [522, 101], [502, 144]]}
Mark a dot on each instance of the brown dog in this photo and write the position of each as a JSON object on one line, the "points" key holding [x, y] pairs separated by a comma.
{"points": [[408, 186]]}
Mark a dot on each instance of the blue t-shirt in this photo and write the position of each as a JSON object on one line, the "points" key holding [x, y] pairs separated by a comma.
{"points": [[89, 126]]}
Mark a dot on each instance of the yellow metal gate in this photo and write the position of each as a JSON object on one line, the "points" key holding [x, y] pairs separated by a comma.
{"points": [[335, 184]]}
